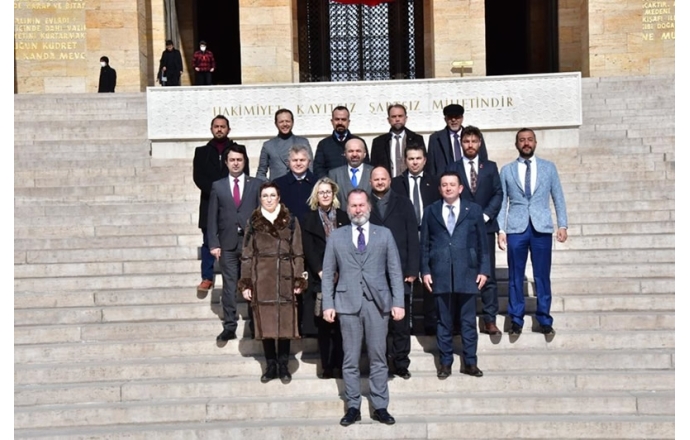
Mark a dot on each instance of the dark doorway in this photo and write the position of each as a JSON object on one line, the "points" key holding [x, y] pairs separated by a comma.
{"points": [[218, 23], [347, 42], [521, 36]]}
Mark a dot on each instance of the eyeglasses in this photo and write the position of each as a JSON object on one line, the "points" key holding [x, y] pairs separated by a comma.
{"points": [[269, 196], [324, 193]]}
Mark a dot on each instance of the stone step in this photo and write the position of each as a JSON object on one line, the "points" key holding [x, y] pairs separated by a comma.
{"points": [[132, 281], [100, 171], [411, 427], [593, 237], [306, 383], [33, 181], [597, 218], [622, 270], [186, 264], [636, 230], [39, 147], [564, 340], [112, 209], [306, 365], [65, 131], [111, 198], [284, 408], [69, 163], [206, 325], [78, 244], [622, 206], [112, 254], [109, 297], [124, 219]]}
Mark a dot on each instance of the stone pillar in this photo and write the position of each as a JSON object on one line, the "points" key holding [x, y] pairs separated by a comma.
{"points": [[631, 38], [458, 35], [266, 38]]}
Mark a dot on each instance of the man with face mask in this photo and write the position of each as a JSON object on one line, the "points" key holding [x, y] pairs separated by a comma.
{"points": [[204, 64], [108, 78], [369, 290], [274, 160]]}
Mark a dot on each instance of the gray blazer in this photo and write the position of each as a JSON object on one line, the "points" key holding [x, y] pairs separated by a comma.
{"points": [[224, 218], [517, 210], [343, 178], [275, 155], [358, 271]]}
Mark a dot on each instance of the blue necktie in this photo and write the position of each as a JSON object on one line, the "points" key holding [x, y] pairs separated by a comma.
{"points": [[361, 244], [528, 180], [450, 223], [354, 177]]}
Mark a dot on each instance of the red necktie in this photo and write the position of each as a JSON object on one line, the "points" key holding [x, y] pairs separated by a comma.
{"points": [[236, 193]]}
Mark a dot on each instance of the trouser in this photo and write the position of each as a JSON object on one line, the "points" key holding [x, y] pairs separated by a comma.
{"points": [[489, 293], [203, 78], [230, 268], [467, 310], [207, 260], [399, 334], [330, 344]]}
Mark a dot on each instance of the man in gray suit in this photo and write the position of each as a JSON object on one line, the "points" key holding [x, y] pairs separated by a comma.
{"points": [[526, 225], [356, 174], [274, 157], [363, 257], [232, 201]]}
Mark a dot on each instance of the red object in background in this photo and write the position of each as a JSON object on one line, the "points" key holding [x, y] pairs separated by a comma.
{"points": [[363, 2]]}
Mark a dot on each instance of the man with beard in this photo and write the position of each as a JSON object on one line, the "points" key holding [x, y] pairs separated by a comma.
{"points": [[369, 287], [445, 145], [526, 225], [396, 213], [355, 174], [330, 152], [388, 150], [232, 201], [209, 167], [274, 158], [481, 184]]}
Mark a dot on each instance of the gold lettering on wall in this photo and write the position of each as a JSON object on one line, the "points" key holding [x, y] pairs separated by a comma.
{"points": [[658, 20], [49, 30]]}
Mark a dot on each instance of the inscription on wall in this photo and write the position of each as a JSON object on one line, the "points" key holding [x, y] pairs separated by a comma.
{"points": [[658, 20], [49, 30]]}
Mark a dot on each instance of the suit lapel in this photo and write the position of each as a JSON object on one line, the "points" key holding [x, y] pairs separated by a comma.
{"points": [[516, 176], [447, 148]]}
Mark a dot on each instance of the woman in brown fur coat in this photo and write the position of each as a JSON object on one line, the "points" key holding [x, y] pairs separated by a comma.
{"points": [[272, 274]]}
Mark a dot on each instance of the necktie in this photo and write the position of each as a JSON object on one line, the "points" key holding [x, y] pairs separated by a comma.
{"points": [[398, 156], [473, 178], [236, 193], [361, 244], [354, 177], [528, 180], [457, 151], [450, 223], [415, 200]]}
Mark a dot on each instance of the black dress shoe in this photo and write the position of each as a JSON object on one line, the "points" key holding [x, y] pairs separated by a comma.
{"points": [[382, 415], [271, 372], [284, 373], [226, 335], [443, 371], [351, 416], [547, 330], [515, 329], [403, 372], [471, 370], [327, 373]]}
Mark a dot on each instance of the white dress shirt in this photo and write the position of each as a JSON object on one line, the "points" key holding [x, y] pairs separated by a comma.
{"points": [[522, 170], [445, 211]]}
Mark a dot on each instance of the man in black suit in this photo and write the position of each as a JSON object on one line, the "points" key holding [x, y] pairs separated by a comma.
{"points": [[445, 145], [422, 190], [330, 152], [209, 167], [388, 150], [396, 213], [481, 184], [232, 201]]}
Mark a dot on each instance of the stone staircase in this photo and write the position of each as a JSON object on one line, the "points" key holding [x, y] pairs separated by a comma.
{"points": [[112, 341]]}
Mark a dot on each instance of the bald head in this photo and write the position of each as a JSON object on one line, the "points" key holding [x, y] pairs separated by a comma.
{"points": [[380, 181], [355, 152]]}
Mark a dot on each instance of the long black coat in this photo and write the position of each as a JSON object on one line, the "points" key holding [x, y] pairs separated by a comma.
{"points": [[107, 80]]}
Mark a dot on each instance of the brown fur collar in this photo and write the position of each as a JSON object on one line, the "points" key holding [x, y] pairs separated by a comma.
{"points": [[261, 224]]}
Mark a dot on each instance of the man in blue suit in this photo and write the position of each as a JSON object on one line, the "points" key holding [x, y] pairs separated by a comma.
{"points": [[482, 185], [454, 262], [526, 225]]}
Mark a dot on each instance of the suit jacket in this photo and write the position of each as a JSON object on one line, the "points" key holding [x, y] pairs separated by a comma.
{"points": [[440, 153], [314, 244], [295, 193], [358, 272], [330, 154], [489, 194], [225, 219], [454, 261], [517, 210], [428, 187], [275, 155], [342, 177], [381, 148], [401, 220], [208, 167]]}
